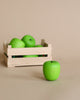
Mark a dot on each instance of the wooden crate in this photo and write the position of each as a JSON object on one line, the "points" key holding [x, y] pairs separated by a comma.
{"points": [[23, 61]]}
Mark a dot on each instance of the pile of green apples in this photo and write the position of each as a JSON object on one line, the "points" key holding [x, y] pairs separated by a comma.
{"points": [[51, 69], [25, 42]]}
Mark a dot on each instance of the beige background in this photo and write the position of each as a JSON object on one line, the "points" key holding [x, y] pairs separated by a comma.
{"points": [[56, 21]]}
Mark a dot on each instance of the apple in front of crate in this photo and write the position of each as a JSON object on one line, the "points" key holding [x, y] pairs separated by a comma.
{"points": [[30, 56], [51, 70], [17, 43], [29, 41]]}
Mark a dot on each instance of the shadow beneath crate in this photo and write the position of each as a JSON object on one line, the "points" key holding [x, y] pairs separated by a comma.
{"points": [[2, 60]]}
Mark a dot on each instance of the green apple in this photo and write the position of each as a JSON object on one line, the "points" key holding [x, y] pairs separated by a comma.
{"points": [[30, 56], [17, 43], [51, 70], [29, 41]]}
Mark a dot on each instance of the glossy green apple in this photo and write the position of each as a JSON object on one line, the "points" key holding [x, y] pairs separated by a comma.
{"points": [[30, 56], [51, 70], [29, 41], [17, 43]]}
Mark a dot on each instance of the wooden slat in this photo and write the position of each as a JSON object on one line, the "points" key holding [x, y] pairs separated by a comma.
{"points": [[27, 61], [28, 51]]}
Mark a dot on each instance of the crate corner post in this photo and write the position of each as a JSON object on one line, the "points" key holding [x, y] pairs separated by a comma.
{"points": [[9, 59]]}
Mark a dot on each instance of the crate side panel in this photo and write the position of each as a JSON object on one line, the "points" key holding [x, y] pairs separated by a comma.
{"points": [[28, 51], [29, 61]]}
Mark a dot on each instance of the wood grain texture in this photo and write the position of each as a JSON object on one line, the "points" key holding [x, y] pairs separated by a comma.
{"points": [[28, 51]]}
